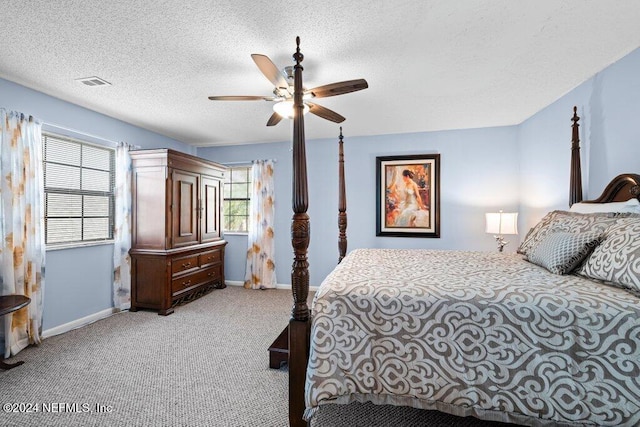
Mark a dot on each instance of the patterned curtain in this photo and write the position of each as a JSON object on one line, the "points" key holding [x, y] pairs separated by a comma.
{"points": [[261, 269], [22, 246], [122, 230]]}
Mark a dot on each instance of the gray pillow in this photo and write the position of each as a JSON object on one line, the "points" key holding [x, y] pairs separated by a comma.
{"points": [[561, 252], [569, 222], [617, 259]]}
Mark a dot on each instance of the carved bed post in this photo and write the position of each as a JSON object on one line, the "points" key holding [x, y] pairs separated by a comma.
{"points": [[299, 323], [342, 202], [575, 184]]}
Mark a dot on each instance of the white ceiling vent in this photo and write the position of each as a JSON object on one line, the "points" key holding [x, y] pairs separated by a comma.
{"points": [[94, 81]]}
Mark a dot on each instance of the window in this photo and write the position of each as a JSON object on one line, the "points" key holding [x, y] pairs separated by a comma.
{"points": [[79, 190], [237, 198]]}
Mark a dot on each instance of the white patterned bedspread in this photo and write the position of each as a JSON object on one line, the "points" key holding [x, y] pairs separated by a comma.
{"points": [[475, 333]]}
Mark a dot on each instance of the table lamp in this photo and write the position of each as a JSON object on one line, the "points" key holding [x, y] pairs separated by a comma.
{"points": [[500, 223]]}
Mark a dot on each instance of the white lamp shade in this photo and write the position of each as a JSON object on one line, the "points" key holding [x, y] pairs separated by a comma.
{"points": [[285, 108], [501, 223]]}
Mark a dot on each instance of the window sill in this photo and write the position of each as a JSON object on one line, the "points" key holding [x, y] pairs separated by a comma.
{"points": [[57, 247], [236, 233]]}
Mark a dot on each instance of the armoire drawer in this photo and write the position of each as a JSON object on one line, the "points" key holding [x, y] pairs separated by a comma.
{"points": [[210, 258], [180, 265], [196, 278], [213, 273], [183, 282]]}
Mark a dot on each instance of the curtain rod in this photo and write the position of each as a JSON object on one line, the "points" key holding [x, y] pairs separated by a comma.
{"points": [[64, 128], [23, 116]]}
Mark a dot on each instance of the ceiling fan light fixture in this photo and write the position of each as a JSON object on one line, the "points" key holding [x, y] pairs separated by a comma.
{"points": [[284, 91], [285, 108]]}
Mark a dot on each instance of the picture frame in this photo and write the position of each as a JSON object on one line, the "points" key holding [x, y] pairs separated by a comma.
{"points": [[408, 196]]}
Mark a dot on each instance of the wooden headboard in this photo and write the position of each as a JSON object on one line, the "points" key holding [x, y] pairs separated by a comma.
{"points": [[620, 189]]}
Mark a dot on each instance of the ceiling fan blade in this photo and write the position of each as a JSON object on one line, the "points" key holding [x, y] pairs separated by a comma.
{"points": [[338, 88], [242, 98], [325, 113], [274, 119], [269, 70]]}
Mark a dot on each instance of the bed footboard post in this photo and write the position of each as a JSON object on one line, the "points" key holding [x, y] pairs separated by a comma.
{"points": [[342, 202], [575, 183], [298, 357], [299, 324]]}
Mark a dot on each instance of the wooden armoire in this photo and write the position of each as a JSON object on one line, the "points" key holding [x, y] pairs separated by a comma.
{"points": [[177, 250]]}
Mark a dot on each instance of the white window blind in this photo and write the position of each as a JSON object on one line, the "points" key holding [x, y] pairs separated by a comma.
{"points": [[79, 190], [237, 199]]}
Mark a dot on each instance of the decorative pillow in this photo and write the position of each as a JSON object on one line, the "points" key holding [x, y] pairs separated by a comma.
{"points": [[535, 231], [617, 259], [568, 222], [561, 252], [631, 205]]}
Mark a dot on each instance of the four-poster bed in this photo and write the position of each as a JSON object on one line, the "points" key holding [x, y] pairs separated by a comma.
{"points": [[501, 339]]}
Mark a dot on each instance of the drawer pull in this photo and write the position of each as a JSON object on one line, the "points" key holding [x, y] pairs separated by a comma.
{"points": [[186, 265], [187, 283]]}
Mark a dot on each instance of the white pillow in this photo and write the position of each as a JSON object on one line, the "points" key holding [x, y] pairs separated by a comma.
{"points": [[631, 205]]}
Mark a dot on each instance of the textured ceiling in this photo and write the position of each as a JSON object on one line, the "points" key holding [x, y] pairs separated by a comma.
{"points": [[430, 65]]}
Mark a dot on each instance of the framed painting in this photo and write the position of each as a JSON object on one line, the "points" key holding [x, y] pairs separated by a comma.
{"points": [[408, 196]]}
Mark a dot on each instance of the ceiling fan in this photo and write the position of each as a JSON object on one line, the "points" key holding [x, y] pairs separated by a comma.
{"points": [[283, 93]]}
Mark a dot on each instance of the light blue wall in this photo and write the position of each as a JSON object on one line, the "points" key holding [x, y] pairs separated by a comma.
{"points": [[478, 167], [609, 108], [78, 280], [77, 283]]}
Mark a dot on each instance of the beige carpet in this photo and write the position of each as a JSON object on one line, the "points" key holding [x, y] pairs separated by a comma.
{"points": [[204, 365]]}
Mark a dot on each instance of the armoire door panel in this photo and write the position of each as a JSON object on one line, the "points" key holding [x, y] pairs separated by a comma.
{"points": [[149, 198], [210, 209], [186, 213], [184, 208]]}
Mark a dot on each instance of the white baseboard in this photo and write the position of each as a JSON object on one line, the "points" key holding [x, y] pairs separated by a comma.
{"points": [[233, 283], [278, 286], [78, 323]]}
